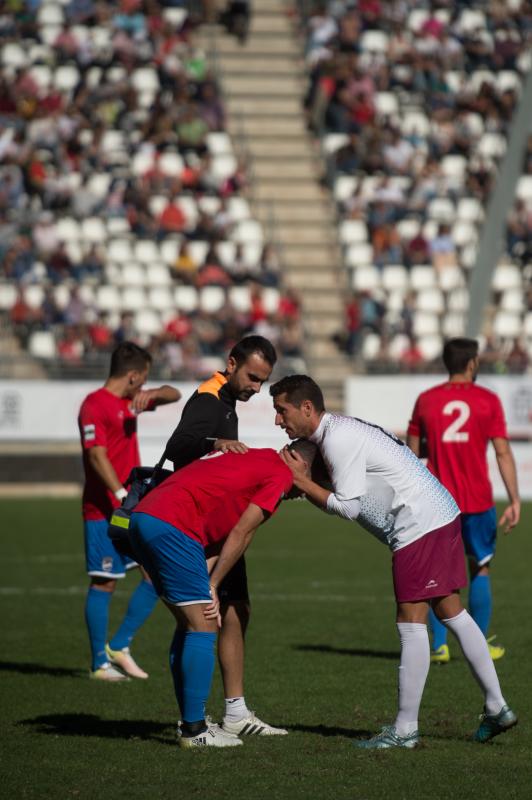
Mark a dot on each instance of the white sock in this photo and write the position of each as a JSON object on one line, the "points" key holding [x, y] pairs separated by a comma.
{"points": [[413, 671], [235, 709], [477, 654]]}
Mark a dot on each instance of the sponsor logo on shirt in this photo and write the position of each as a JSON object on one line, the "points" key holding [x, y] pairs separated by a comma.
{"points": [[431, 584], [89, 432]]}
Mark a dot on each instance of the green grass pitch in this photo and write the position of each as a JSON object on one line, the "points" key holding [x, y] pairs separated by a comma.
{"points": [[322, 659]]}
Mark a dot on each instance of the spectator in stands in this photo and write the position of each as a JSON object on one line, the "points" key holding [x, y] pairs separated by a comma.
{"points": [[172, 218], [100, 334], [442, 249], [353, 317], [185, 266]]}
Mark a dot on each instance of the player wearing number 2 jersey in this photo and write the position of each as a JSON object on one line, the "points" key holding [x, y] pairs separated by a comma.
{"points": [[455, 421]]}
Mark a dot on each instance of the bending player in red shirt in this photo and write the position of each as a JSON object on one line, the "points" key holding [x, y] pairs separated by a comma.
{"points": [[456, 420], [218, 500], [108, 428]]}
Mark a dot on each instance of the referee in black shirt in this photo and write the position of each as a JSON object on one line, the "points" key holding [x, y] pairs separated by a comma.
{"points": [[209, 422]]}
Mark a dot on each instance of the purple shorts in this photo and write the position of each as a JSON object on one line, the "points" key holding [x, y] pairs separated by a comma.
{"points": [[433, 566]]}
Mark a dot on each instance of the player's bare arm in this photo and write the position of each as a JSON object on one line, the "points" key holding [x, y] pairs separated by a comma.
{"points": [[413, 443], [506, 464], [102, 466], [161, 396], [299, 469], [237, 542]]}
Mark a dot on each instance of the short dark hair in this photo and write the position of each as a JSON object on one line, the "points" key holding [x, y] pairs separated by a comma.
{"points": [[299, 388], [457, 353], [253, 344], [128, 356]]}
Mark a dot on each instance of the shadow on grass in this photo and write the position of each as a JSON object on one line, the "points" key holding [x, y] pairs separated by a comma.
{"points": [[328, 730], [91, 725], [28, 668], [391, 655]]}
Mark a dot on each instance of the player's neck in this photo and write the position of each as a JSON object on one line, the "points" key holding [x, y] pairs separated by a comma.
{"points": [[460, 377], [116, 386]]}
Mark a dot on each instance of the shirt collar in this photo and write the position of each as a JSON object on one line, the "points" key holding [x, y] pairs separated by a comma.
{"points": [[317, 436]]}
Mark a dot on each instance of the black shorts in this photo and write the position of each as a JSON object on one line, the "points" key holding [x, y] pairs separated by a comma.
{"points": [[234, 587]]}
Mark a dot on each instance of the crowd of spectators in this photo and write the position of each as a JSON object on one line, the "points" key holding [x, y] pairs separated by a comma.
{"points": [[123, 210], [413, 101]]}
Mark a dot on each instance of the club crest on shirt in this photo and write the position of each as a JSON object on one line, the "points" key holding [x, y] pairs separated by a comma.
{"points": [[107, 564]]}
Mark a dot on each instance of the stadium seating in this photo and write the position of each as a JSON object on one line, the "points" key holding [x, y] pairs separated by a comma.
{"points": [[412, 106], [122, 200]]}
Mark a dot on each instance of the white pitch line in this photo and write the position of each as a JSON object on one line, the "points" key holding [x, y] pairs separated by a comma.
{"points": [[47, 558], [283, 597]]}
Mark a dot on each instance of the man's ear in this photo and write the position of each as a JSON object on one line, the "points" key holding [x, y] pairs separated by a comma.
{"points": [[231, 365]]}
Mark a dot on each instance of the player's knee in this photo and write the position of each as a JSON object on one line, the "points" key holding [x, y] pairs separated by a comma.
{"points": [[236, 613], [103, 584]]}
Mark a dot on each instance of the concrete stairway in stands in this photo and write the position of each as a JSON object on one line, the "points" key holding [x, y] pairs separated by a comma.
{"points": [[263, 85]]}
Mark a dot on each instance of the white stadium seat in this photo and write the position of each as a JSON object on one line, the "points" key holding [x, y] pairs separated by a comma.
{"points": [[353, 231], [422, 277], [431, 301], [425, 324], [506, 276], [430, 346], [240, 298], [158, 274], [365, 279], [186, 298], [395, 278], [507, 325], [41, 344], [108, 298], [146, 251], [359, 255], [133, 298], [371, 346], [219, 144], [332, 142], [453, 325], [161, 298], [270, 300], [133, 274], [513, 300], [148, 322], [34, 295], [212, 299], [8, 296]]}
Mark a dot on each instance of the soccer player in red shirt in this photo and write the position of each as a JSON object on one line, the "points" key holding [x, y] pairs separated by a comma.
{"points": [[455, 421], [108, 428], [218, 500]]}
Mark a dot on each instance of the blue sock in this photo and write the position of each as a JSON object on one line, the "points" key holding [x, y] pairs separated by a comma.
{"points": [[480, 601], [97, 619], [439, 631], [197, 667], [139, 609], [176, 655]]}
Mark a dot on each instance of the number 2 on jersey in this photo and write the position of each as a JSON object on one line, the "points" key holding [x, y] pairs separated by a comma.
{"points": [[453, 433]]}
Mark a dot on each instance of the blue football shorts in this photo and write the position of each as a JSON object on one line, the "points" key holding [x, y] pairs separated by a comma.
{"points": [[175, 563], [479, 532], [101, 557]]}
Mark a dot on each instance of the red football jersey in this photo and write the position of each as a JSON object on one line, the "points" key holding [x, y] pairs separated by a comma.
{"points": [[106, 420], [457, 420], [224, 483]]}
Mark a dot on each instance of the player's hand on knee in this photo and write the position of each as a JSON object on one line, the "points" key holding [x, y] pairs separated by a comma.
{"points": [[212, 610]]}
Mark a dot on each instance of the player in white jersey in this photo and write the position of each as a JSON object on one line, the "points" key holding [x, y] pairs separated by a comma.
{"points": [[377, 480]]}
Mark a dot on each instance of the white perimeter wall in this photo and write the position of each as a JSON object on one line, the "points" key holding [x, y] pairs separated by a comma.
{"points": [[46, 411]]}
